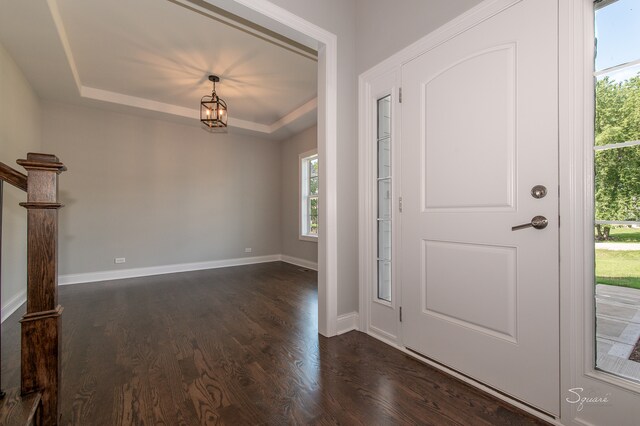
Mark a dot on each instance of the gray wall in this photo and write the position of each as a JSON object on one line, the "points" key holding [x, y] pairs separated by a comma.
{"points": [[159, 193], [19, 134], [338, 17], [156, 142], [290, 150], [381, 29], [384, 28]]}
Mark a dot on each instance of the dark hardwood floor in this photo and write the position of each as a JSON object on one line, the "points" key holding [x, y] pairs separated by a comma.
{"points": [[237, 346]]}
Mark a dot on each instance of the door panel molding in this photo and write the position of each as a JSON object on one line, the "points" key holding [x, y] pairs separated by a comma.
{"points": [[443, 95], [467, 310]]}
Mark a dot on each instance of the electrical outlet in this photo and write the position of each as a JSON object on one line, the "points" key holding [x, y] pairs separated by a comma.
{"points": [[119, 260], [248, 250]]}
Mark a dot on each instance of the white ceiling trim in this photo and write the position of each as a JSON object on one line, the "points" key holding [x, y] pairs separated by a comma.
{"points": [[294, 115], [161, 107], [134, 101], [236, 22], [64, 39], [143, 103]]}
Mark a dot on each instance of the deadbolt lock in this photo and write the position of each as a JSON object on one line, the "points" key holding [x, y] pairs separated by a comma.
{"points": [[539, 191]]}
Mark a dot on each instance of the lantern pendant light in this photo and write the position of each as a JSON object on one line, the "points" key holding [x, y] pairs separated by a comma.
{"points": [[213, 110]]}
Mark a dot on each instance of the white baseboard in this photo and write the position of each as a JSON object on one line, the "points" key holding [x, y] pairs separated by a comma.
{"points": [[382, 335], [159, 270], [299, 262], [347, 322], [13, 304]]}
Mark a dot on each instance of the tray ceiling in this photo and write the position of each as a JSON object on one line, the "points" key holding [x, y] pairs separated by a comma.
{"points": [[157, 55]]}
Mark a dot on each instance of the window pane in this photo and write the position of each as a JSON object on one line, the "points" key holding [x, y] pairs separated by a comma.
{"points": [[313, 225], [617, 107], [384, 239], [617, 32], [384, 280], [619, 267], [313, 186], [309, 195], [617, 184], [384, 199], [313, 206], [384, 158], [618, 301], [384, 117], [383, 142]]}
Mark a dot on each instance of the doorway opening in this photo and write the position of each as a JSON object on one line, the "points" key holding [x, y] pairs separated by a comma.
{"points": [[283, 22]]}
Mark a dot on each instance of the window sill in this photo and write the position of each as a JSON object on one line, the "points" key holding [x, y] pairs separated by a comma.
{"points": [[311, 238]]}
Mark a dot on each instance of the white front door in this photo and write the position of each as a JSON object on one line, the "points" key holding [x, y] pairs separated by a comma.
{"points": [[479, 131]]}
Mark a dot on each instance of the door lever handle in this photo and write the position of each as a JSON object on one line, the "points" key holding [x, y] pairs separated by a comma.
{"points": [[538, 222]]}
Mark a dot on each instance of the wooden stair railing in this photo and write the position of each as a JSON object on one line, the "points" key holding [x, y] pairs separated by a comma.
{"points": [[40, 344], [13, 177], [19, 180]]}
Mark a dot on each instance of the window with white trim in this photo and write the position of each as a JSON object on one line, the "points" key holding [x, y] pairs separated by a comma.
{"points": [[384, 183], [617, 188], [309, 195]]}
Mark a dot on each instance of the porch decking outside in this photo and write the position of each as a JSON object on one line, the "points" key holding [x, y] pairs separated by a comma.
{"points": [[618, 329]]}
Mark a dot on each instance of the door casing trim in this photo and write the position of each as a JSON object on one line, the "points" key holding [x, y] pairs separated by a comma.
{"points": [[577, 303], [266, 13]]}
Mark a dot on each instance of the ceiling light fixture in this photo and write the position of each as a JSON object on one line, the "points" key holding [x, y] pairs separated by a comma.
{"points": [[213, 110]]}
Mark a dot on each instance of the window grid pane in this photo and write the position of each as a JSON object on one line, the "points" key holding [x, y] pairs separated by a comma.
{"points": [[617, 30], [617, 184], [384, 195], [313, 224], [309, 195], [384, 280], [313, 185], [617, 187], [384, 158]]}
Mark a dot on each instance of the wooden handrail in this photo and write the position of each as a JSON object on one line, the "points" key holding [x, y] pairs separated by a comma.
{"points": [[19, 180], [1, 209], [13, 177]]}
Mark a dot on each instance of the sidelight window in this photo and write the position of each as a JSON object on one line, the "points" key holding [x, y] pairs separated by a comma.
{"points": [[384, 198]]}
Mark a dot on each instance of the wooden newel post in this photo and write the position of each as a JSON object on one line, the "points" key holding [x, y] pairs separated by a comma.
{"points": [[41, 323]]}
